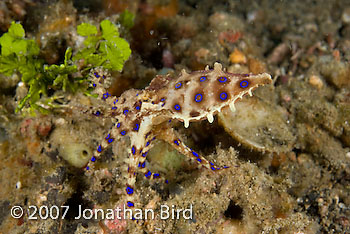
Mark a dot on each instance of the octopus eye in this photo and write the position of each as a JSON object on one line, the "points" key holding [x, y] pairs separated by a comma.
{"points": [[244, 84]]}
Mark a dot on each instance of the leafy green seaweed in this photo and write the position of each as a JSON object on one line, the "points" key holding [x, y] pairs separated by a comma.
{"points": [[103, 47], [127, 19], [18, 53]]}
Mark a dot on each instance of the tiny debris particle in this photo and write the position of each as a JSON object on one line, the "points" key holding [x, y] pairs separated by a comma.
{"points": [[316, 81]]}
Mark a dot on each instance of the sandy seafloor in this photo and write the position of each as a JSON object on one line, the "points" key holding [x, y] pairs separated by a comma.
{"points": [[288, 146]]}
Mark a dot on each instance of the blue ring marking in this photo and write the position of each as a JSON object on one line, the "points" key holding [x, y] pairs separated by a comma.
{"points": [[96, 75], [166, 181], [195, 154], [97, 113], [110, 140], [115, 102], [176, 142], [178, 85], [87, 168], [147, 144], [137, 107], [162, 100], [103, 76], [130, 204], [133, 150], [118, 125], [125, 111], [203, 78], [129, 190], [108, 136], [225, 167], [198, 97], [213, 168], [123, 133], [244, 84], [211, 163], [163, 104], [148, 174], [156, 175], [99, 149], [94, 85], [199, 160], [144, 154], [177, 107], [137, 126], [114, 108], [142, 165], [93, 159], [105, 95], [223, 96], [222, 79]]}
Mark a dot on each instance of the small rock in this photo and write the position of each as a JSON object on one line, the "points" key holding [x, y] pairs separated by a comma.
{"points": [[316, 81], [4, 210], [345, 17], [256, 66], [336, 73], [58, 177], [348, 155], [279, 53], [258, 125], [238, 56], [222, 21], [3, 135]]}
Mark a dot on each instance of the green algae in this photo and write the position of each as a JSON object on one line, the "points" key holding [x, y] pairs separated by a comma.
{"points": [[19, 54]]}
